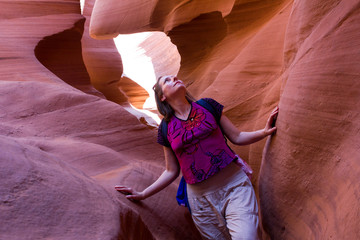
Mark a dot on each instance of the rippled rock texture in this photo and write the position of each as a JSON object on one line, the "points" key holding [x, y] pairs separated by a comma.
{"points": [[64, 145]]}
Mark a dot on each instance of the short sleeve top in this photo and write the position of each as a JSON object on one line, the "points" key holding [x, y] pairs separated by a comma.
{"points": [[198, 143]]}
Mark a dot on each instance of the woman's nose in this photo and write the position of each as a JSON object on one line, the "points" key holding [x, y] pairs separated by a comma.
{"points": [[175, 79]]}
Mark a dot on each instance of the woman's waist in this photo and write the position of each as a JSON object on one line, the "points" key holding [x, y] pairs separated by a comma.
{"points": [[227, 175]]}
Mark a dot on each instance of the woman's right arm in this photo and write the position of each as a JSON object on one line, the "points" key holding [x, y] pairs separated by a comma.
{"points": [[171, 172]]}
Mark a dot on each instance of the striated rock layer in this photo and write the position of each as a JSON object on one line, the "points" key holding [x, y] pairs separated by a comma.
{"points": [[253, 55], [309, 185], [64, 146], [103, 62]]}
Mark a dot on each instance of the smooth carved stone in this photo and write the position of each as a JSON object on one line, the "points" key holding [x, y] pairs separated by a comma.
{"points": [[63, 149], [301, 56], [64, 146]]}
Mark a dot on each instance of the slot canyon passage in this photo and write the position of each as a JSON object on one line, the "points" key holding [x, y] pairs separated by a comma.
{"points": [[67, 135]]}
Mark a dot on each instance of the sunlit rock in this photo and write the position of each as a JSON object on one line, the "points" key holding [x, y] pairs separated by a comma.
{"points": [[299, 55], [64, 145]]}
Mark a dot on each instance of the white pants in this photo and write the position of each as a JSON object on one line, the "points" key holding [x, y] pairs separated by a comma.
{"points": [[224, 206]]}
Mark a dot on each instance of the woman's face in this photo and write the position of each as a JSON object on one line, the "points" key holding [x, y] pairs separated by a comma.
{"points": [[171, 86]]}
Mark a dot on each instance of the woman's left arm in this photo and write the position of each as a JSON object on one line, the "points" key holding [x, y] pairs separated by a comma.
{"points": [[243, 138]]}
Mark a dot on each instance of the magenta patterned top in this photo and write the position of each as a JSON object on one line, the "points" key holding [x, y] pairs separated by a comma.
{"points": [[198, 143]]}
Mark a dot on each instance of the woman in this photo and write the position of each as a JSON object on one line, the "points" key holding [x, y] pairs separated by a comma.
{"points": [[221, 197]]}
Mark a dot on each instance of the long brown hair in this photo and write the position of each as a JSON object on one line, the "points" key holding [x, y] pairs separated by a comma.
{"points": [[164, 107]]}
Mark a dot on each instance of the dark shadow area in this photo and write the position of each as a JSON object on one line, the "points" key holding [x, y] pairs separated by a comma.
{"points": [[133, 227], [61, 53], [197, 38]]}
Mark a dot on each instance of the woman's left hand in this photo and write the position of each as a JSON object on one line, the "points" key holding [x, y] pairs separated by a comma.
{"points": [[130, 193], [270, 125]]}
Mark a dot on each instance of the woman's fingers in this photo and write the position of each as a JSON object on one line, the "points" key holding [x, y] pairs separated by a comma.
{"points": [[275, 111], [117, 187], [129, 192], [271, 120], [273, 115], [270, 124], [124, 190]]}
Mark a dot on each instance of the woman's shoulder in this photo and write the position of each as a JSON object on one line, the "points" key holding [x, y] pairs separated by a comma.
{"points": [[211, 101], [208, 99], [214, 105]]}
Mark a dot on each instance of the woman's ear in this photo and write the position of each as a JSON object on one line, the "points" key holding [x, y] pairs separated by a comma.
{"points": [[163, 98]]}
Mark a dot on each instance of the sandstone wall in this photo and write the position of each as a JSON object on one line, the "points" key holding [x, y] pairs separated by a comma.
{"points": [[64, 146], [300, 55], [309, 181]]}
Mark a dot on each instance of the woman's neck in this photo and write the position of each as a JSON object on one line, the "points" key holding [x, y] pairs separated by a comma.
{"points": [[182, 107]]}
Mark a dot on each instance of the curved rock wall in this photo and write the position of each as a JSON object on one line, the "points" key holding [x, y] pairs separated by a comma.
{"points": [[309, 185], [301, 55], [111, 17], [102, 61], [64, 147]]}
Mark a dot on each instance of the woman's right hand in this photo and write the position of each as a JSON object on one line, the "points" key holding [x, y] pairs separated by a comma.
{"points": [[130, 193]]}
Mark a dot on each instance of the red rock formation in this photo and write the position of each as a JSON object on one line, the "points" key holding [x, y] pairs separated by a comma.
{"points": [[61, 53], [102, 61], [42, 196], [309, 186], [111, 17], [63, 149], [302, 55]]}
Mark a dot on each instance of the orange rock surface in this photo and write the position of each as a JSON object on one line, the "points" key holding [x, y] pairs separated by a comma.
{"points": [[64, 145], [301, 56]]}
